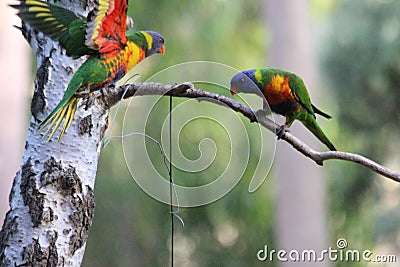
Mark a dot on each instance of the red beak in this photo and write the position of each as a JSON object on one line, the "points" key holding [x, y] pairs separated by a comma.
{"points": [[162, 50], [233, 92]]}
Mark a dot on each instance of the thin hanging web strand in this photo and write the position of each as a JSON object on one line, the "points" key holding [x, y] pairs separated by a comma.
{"points": [[171, 182], [169, 168], [168, 164], [134, 78]]}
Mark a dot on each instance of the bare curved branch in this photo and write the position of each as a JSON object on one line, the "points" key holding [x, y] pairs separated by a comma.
{"points": [[114, 94]]}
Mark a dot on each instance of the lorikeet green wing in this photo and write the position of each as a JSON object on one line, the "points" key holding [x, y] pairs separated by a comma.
{"points": [[58, 23], [99, 73], [286, 94], [111, 53]]}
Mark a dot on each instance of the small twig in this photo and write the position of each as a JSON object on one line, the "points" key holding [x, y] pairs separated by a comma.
{"points": [[111, 95]]}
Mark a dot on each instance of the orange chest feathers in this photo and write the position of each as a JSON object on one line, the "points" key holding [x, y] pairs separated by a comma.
{"points": [[124, 60], [278, 90]]}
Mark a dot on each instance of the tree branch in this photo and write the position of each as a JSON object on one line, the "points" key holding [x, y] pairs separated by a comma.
{"points": [[112, 95]]}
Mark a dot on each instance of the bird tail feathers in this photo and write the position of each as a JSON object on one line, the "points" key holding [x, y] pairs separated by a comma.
{"points": [[65, 110], [317, 131], [319, 112]]}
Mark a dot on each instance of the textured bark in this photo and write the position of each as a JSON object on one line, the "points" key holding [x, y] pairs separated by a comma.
{"points": [[52, 200]]}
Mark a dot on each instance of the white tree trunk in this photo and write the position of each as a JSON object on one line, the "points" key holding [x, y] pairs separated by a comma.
{"points": [[52, 200]]}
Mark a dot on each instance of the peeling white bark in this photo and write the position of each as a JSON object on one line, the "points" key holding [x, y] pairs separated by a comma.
{"points": [[52, 201]]}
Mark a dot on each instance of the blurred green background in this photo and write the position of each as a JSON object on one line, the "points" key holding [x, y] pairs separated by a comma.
{"points": [[357, 51]]}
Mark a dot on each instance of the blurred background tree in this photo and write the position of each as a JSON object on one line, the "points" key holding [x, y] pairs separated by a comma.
{"points": [[358, 48], [300, 222], [15, 99], [361, 61]]}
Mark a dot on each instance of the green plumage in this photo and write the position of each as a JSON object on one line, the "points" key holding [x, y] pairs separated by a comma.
{"points": [[120, 52], [93, 72], [286, 94], [59, 24]]}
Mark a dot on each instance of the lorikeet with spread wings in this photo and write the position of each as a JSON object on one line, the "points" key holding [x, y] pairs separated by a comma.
{"points": [[286, 95], [101, 36]]}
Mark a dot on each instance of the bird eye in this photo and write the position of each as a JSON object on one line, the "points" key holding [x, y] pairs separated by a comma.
{"points": [[242, 80], [161, 40]]}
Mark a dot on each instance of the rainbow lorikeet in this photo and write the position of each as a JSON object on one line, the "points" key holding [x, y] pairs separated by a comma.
{"points": [[286, 95], [101, 36]]}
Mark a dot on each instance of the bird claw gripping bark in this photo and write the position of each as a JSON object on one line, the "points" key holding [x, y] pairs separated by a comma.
{"points": [[281, 131], [83, 92]]}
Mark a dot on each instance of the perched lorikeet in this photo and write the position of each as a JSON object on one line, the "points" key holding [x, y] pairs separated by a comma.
{"points": [[101, 36], [286, 95]]}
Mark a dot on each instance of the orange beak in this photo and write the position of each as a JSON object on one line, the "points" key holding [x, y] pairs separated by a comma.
{"points": [[162, 50], [233, 92]]}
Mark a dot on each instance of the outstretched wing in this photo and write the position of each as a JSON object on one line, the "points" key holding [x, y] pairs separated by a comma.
{"points": [[58, 23], [106, 29]]}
